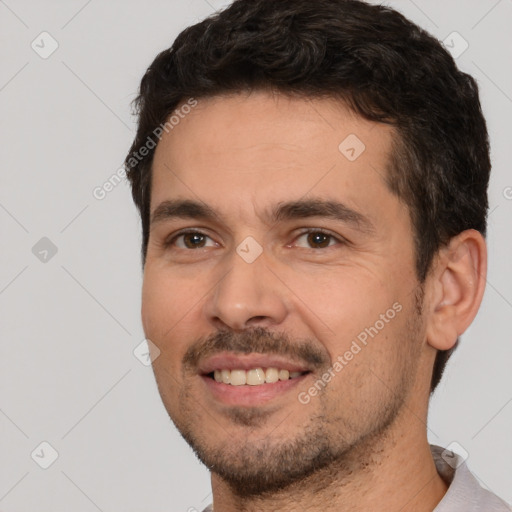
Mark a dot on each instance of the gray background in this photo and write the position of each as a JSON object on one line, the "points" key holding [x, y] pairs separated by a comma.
{"points": [[70, 321]]}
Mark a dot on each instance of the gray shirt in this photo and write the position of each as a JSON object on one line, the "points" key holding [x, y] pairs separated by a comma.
{"points": [[464, 493]]}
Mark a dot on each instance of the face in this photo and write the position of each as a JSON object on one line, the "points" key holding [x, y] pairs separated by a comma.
{"points": [[276, 251]]}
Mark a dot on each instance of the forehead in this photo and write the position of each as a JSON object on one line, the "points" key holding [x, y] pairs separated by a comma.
{"points": [[253, 149]]}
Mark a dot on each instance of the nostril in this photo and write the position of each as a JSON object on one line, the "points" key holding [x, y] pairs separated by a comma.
{"points": [[256, 319]]}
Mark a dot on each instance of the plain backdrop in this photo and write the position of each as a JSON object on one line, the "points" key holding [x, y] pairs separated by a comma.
{"points": [[70, 274]]}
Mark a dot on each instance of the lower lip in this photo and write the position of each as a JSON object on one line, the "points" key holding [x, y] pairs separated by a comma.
{"points": [[250, 396]]}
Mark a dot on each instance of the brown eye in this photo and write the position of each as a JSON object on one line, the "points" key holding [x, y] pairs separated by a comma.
{"points": [[318, 240], [192, 240]]}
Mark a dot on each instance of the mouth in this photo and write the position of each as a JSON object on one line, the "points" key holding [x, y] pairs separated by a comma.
{"points": [[250, 379], [254, 376]]}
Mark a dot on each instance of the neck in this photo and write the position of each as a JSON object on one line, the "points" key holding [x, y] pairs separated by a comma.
{"points": [[390, 472]]}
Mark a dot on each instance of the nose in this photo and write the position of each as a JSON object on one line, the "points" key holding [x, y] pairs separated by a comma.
{"points": [[248, 295]]}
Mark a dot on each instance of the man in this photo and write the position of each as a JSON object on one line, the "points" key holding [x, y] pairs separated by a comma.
{"points": [[312, 182]]}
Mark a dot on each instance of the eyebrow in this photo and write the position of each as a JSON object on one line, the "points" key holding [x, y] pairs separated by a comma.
{"points": [[300, 209], [322, 208], [182, 209]]}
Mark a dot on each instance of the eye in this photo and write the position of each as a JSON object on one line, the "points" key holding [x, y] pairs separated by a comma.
{"points": [[191, 240], [317, 239]]}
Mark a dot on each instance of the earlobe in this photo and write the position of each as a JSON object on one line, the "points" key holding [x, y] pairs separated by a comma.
{"points": [[457, 284]]}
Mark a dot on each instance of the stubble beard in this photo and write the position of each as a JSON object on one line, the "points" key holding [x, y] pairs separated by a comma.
{"points": [[327, 449], [314, 458]]}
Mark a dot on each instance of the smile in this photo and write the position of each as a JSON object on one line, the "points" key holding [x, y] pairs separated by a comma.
{"points": [[253, 376]]}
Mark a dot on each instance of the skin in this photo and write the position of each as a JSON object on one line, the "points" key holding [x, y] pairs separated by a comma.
{"points": [[242, 155]]}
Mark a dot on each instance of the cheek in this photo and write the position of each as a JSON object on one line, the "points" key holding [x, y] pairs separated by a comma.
{"points": [[165, 301], [164, 315], [376, 370], [162, 318], [154, 303], [342, 303]]}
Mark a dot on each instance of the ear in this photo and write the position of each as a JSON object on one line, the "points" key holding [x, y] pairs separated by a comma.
{"points": [[455, 286]]}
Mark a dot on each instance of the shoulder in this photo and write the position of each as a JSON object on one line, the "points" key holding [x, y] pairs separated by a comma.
{"points": [[465, 494]]}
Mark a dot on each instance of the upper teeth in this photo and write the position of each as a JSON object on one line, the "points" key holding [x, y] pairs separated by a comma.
{"points": [[253, 377]]}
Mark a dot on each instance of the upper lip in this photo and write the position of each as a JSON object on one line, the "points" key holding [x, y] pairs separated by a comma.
{"points": [[231, 361]]}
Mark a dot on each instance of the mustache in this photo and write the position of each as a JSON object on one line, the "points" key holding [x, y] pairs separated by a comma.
{"points": [[258, 340]]}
